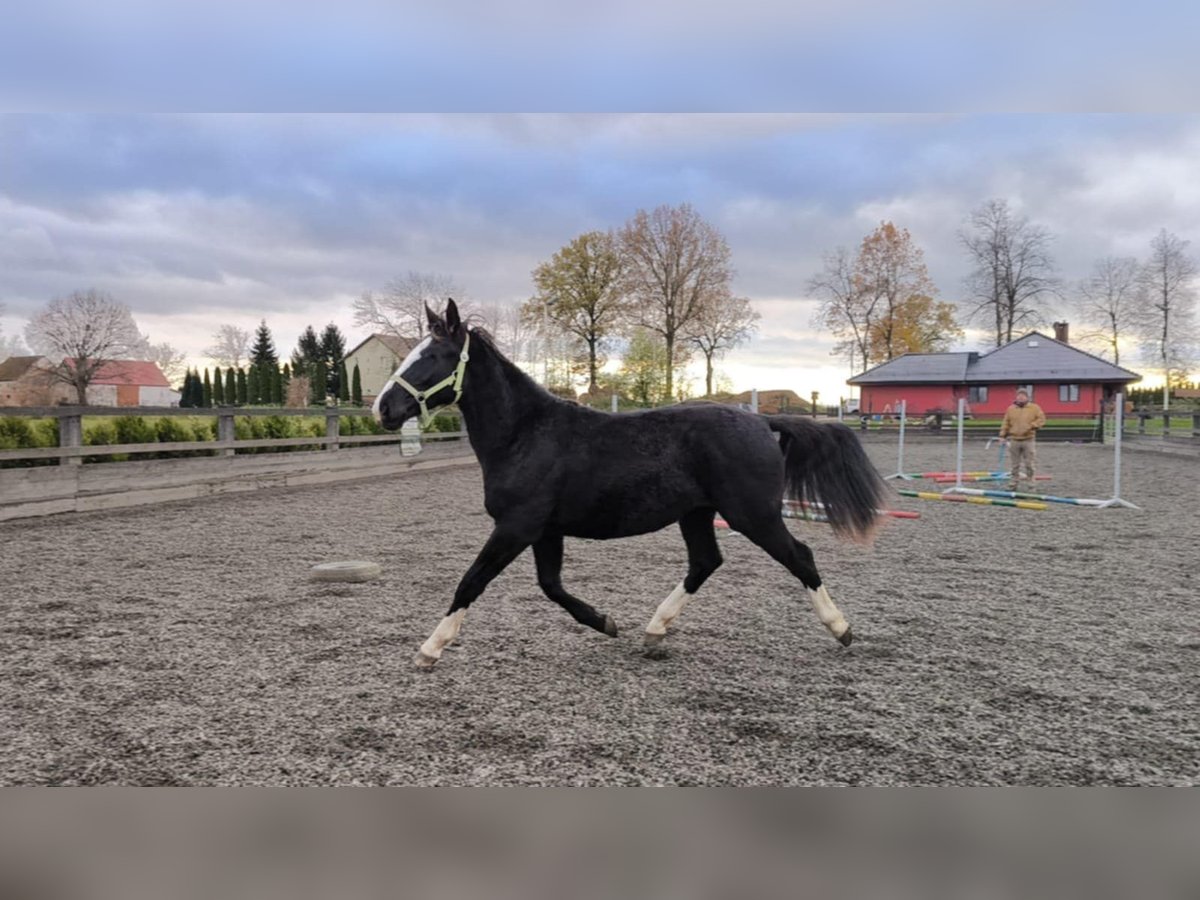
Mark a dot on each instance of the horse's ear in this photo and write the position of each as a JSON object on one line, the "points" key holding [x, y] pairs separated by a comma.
{"points": [[453, 322], [435, 321]]}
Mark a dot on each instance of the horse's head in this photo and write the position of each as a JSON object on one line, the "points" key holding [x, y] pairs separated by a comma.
{"points": [[430, 376]]}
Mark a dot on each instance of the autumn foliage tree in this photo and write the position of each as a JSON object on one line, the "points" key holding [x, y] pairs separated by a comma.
{"points": [[881, 302], [579, 294]]}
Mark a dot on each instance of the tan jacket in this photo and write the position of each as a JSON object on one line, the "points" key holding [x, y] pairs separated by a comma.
{"points": [[1021, 423]]}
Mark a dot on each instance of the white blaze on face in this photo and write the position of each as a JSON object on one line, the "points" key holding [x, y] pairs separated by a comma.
{"points": [[412, 357]]}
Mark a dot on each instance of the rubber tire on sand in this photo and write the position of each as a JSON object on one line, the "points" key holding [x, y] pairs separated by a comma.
{"points": [[349, 570]]}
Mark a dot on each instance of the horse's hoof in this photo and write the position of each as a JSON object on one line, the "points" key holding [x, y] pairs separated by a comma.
{"points": [[424, 661], [652, 640], [610, 627], [846, 638]]}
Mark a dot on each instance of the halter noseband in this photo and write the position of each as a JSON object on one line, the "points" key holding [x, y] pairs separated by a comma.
{"points": [[454, 380]]}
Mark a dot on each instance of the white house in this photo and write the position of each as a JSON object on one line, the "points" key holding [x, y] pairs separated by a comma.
{"points": [[377, 358]]}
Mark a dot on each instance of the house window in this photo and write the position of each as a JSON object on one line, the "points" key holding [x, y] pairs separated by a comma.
{"points": [[977, 393], [1068, 393]]}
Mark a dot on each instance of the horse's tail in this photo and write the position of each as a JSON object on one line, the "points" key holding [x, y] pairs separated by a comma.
{"points": [[825, 463]]}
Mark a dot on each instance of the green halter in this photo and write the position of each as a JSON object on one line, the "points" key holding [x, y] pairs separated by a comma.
{"points": [[454, 380]]}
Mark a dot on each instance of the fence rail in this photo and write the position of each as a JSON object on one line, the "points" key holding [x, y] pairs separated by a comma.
{"points": [[72, 450]]}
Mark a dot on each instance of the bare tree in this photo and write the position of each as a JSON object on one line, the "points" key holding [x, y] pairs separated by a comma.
{"points": [[399, 309], [230, 346], [1013, 272], [1168, 319], [89, 329], [846, 309], [579, 294], [1108, 302], [169, 360], [725, 323], [674, 264], [12, 344], [509, 330]]}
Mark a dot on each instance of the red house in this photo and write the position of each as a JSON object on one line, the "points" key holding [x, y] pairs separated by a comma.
{"points": [[1061, 379]]}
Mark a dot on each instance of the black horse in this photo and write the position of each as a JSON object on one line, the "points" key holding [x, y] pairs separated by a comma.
{"points": [[553, 469]]}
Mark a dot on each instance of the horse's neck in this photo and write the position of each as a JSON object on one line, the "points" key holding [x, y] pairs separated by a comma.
{"points": [[498, 400]]}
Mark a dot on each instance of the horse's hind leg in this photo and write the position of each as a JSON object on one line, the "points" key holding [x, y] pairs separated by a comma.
{"points": [[704, 558], [773, 536], [548, 553]]}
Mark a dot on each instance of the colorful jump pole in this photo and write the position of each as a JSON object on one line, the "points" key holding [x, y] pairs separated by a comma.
{"points": [[981, 501], [1019, 495]]}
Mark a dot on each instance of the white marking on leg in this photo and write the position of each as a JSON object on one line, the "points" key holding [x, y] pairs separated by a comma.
{"points": [[668, 611], [446, 631], [831, 617]]}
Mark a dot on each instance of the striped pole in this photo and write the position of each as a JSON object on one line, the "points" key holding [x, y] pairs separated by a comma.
{"points": [[982, 501], [1044, 498], [900, 473]]}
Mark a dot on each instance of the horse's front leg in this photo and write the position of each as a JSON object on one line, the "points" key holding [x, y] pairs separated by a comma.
{"points": [[501, 549]]}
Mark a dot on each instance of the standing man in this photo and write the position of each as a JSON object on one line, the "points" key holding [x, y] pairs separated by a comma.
{"points": [[1020, 425]]}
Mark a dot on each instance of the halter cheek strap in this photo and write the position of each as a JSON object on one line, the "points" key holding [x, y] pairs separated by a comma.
{"points": [[453, 380]]}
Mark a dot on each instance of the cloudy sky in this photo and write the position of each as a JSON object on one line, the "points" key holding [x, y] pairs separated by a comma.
{"points": [[195, 221], [202, 218]]}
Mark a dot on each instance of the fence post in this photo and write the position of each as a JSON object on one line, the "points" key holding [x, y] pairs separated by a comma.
{"points": [[226, 432], [754, 400], [70, 434], [1195, 424], [1166, 424], [332, 425]]}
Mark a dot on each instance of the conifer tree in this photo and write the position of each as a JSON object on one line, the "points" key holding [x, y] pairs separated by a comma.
{"points": [[320, 383], [276, 385], [253, 387], [207, 395], [243, 389], [218, 388], [263, 352], [343, 383], [356, 387], [185, 392]]}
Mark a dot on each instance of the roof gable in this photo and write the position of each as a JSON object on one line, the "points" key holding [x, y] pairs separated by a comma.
{"points": [[16, 367], [399, 346]]}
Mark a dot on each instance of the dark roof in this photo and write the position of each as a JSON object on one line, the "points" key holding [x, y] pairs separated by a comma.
{"points": [[141, 372], [16, 366], [1031, 357], [914, 368]]}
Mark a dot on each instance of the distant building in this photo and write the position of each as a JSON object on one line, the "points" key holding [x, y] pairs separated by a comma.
{"points": [[1060, 378], [30, 381], [377, 358], [775, 402]]}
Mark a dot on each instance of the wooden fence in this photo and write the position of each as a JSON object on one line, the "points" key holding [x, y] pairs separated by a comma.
{"points": [[71, 486]]}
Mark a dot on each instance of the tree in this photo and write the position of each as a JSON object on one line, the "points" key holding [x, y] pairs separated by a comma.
{"points": [[400, 308], [12, 344], [218, 387], [319, 391], [673, 264], [333, 351], [230, 346], [510, 331], [356, 390], [343, 383], [1014, 272], [579, 294], [254, 386], [208, 391], [263, 352], [1168, 323], [724, 324], [185, 392], [1108, 302], [645, 368], [845, 308], [919, 324], [307, 352], [87, 329], [275, 379], [890, 272], [243, 388]]}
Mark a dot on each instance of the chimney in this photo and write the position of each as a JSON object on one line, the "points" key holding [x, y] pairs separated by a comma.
{"points": [[1062, 332]]}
